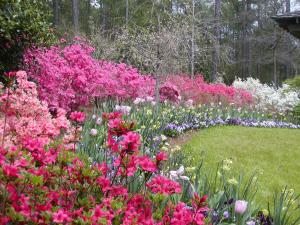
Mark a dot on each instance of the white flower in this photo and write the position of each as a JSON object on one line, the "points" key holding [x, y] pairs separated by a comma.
{"points": [[180, 171], [177, 174], [185, 178], [94, 117], [93, 132], [251, 222], [99, 121], [138, 101], [268, 97], [189, 103], [163, 137], [123, 109], [149, 99]]}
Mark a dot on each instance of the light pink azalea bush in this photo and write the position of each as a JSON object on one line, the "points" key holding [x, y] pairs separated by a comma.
{"points": [[23, 116], [68, 76], [54, 186]]}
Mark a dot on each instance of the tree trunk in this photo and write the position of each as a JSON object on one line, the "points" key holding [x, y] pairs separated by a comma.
{"points": [[75, 15], [274, 59], [193, 41], [158, 64], [288, 6], [56, 12], [216, 47], [247, 40], [88, 19], [127, 13]]}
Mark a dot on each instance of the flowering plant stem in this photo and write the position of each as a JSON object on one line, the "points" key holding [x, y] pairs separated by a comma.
{"points": [[5, 118]]}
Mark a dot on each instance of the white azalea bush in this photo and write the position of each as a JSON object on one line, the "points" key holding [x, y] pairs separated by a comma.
{"points": [[269, 98]]}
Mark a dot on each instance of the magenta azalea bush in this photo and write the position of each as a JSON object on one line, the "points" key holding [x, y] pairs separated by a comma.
{"points": [[68, 76], [52, 185]]}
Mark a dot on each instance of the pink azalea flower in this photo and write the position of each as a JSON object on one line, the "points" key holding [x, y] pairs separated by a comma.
{"points": [[78, 117], [61, 217]]}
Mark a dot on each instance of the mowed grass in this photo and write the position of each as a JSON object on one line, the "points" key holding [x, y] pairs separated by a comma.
{"points": [[275, 153]]}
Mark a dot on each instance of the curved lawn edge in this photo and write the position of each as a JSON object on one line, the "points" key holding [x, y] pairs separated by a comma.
{"points": [[273, 153]]}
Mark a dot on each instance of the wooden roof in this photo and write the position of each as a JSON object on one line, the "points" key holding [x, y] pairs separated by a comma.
{"points": [[290, 22]]}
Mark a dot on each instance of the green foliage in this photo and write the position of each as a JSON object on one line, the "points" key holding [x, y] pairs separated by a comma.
{"points": [[22, 23], [296, 113], [295, 85], [294, 82], [284, 202]]}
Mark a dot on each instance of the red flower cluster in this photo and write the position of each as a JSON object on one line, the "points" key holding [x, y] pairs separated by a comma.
{"points": [[164, 186]]}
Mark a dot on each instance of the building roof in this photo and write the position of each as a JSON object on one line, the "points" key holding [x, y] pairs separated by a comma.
{"points": [[290, 22]]}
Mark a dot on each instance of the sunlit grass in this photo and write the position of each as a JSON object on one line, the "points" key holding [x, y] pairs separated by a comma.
{"points": [[274, 153]]}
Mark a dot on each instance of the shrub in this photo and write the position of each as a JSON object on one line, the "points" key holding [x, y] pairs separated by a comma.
{"points": [[52, 185], [294, 83], [269, 98], [22, 23], [24, 116], [69, 77], [201, 92]]}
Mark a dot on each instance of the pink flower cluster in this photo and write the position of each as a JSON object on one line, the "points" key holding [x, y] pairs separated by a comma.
{"points": [[68, 76], [46, 185], [202, 92], [23, 115]]}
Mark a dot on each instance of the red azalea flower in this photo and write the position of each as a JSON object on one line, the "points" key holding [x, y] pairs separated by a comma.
{"points": [[162, 156], [10, 75], [147, 164], [162, 185]]}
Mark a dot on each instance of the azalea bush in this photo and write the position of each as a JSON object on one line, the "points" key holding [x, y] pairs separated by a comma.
{"points": [[269, 98], [54, 185], [69, 77], [23, 115], [202, 92]]}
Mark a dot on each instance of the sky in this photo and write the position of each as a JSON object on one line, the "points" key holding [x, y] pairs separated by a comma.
{"points": [[294, 5]]}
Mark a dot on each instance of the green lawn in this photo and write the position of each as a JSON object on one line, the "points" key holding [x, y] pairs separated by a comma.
{"points": [[274, 152]]}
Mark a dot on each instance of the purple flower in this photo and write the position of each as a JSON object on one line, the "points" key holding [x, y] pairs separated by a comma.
{"points": [[226, 214]]}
